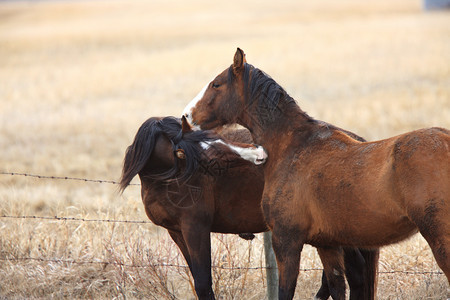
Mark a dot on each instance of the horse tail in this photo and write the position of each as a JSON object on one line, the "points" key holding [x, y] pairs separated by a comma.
{"points": [[138, 153], [370, 286]]}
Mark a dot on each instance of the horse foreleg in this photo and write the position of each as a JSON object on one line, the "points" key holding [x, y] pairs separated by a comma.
{"points": [[355, 269], [287, 248], [198, 243], [333, 265], [177, 237]]}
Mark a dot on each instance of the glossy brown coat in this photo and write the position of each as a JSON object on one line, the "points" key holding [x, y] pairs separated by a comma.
{"points": [[325, 188]]}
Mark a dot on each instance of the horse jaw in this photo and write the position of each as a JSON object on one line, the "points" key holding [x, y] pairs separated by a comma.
{"points": [[187, 112]]}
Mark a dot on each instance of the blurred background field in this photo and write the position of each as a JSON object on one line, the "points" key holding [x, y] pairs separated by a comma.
{"points": [[77, 79]]}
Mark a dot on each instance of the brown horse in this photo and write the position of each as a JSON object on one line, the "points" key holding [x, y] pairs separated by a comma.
{"points": [[323, 187], [193, 184]]}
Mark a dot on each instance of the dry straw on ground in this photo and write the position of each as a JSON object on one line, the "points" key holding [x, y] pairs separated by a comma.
{"points": [[78, 78]]}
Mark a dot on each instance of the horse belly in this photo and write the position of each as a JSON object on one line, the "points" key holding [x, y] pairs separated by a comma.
{"points": [[239, 221], [367, 230], [238, 209]]}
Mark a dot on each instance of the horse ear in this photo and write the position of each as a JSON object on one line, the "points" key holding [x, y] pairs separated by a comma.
{"points": [[239, 60], [185, 127]]}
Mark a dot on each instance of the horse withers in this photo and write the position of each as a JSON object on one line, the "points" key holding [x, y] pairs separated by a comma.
{"points": [[193, 184], [324, 187]]}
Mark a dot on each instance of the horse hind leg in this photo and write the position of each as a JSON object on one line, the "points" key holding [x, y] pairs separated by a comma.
{"points": [[361, 267], [371, 258], [333, 264], [434, 225], [355, 269], [361, 272], [324, 291], [440, 246]]}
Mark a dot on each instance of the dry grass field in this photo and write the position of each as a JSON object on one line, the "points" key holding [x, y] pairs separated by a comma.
{"points": [[77, 78]]}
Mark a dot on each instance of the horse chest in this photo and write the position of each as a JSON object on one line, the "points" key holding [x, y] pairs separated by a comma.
{"points": [[161, 209], [161, 216]]}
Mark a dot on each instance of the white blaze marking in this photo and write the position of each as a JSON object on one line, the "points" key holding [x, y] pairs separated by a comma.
{"points": [[206, 145], [187, 112], [255, 155]]}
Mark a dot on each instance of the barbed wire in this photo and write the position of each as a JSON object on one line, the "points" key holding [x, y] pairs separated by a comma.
{"points": [[164, 265], [62, 178], [68, 218], [412, 272], [68, 261], [57, 218]]}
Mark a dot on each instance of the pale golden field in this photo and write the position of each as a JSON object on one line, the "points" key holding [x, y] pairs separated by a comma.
{"points": [[77, 79]]}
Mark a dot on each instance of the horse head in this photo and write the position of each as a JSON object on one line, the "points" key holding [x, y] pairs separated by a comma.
{"points": [[229, 99], [222, 100], [162, 150]]}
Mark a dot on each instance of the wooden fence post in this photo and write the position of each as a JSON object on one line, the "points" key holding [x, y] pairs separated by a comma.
{"points": [[272, 270]]}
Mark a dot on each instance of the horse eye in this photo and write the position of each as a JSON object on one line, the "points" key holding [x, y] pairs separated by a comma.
{"points": [[215, 85]]}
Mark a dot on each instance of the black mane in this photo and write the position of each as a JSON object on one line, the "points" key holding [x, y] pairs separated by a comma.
{"points": [[268, 94], [139, 152]]}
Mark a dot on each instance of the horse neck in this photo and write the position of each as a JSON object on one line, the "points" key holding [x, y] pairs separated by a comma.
{"points": [[269, 131]]}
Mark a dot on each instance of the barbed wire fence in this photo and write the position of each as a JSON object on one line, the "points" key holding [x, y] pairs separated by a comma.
{"points": [[62, 178], [162, 265]]}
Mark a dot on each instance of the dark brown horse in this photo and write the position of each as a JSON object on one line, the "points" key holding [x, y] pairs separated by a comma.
{"points": [[193, 184], [325, 188]]}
